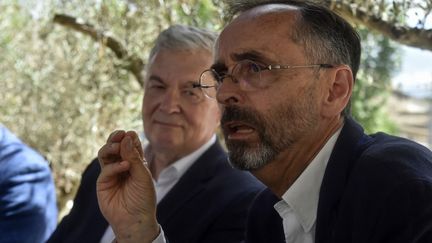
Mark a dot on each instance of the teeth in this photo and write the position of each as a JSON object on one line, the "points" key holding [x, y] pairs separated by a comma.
{"points": [[233, 128], [241, 129], [244, 130]]}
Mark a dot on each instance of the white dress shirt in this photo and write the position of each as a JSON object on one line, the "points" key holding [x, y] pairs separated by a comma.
{"points": [[299, 205], [168, 177]]}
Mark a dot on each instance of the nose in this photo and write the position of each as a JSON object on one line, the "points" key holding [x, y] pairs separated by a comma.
{"points": [[228, 92], [170, 102]]}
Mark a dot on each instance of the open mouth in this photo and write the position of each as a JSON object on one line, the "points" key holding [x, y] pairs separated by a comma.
{"points": [[238, 130]]}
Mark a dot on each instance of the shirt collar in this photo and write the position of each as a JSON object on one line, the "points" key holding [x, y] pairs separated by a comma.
{"points": [[179, 167], [303, 195]]}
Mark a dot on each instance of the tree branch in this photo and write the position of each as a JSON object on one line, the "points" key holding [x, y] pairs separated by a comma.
{"points": [[134, 64], [411, 36]]}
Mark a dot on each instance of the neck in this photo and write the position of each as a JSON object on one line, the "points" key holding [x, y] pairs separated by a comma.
{"points": [[159, 160], [282, 172]]}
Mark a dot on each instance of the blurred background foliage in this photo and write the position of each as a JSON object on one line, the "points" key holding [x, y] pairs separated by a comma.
{"points": [[379, 62], [63, 92]]}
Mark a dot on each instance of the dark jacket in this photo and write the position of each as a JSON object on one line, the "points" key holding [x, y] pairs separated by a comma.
{"points": [[376, 189], [208, 204]]}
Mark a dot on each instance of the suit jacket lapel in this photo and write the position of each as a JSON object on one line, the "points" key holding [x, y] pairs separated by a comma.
{"points": [[191, 183], [348, 147]]}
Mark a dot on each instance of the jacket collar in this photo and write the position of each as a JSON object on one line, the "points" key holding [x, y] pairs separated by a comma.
{"points": [[192, 182], [348, 148]]}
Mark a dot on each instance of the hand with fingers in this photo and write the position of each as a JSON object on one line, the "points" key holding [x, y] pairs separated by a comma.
{"points": [[125, 189]]}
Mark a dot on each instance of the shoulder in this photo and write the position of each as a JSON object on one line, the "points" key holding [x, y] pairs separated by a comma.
{"points": [[225, 174], [222, 182], [390, 167], [86, 193], [395, 158], [18, 159], [214, 165], [91, 172], [387, 145], [27, 191]]}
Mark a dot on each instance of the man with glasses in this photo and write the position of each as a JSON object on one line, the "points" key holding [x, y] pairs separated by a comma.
{"points": [[199, 196], [283, 73]]}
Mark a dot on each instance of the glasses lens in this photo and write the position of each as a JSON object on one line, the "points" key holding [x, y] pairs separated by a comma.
{"points": [[248, 74], [208, 82]]}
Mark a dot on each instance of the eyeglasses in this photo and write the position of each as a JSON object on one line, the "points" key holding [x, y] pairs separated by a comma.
{"points": [[248, 74]]}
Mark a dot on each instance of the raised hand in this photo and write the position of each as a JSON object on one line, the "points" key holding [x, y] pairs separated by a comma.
{"points": [[125, 189]]}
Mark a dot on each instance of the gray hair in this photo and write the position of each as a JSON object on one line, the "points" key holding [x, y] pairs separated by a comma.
{"points": [[183, 38]]}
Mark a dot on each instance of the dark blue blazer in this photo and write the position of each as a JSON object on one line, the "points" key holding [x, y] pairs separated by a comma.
{"points": [[264, 223], [28, 210], [376, 188], [209, 203]]}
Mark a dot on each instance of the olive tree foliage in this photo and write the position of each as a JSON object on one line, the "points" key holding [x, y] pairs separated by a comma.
{"points": [[379, 62], [408, 22], [63, 92], [71, 72], [404, 21], [382, 23]]}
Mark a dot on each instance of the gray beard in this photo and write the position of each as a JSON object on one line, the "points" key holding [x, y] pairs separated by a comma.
{"points": [[244, 158], [277, 131]]}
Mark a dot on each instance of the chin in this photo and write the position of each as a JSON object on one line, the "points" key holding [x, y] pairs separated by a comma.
{"points": [[164, 141], [244, 157]]}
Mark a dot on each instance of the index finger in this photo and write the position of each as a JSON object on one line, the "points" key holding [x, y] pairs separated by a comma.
{"points": [[110, 152], [116, 136], [136, 143]]}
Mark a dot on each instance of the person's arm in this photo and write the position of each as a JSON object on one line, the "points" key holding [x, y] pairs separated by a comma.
{"points": [[125, 190], [28, 210]]}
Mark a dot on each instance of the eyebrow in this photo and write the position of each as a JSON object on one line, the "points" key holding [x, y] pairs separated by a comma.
{"points": [[155, 78], [247, 55], [159, 80], [189, 84]]}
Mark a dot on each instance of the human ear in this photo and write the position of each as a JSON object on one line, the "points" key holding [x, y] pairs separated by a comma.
{"points": [[338, 91]]}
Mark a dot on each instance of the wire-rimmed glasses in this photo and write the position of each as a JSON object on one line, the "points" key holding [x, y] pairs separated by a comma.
{"points": [[248, 74]]}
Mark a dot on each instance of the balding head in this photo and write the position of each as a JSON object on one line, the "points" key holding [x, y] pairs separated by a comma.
{"points": [[324, 36]]}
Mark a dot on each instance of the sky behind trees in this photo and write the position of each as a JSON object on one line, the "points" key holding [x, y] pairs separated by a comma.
{"points": [[415, 75]]}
